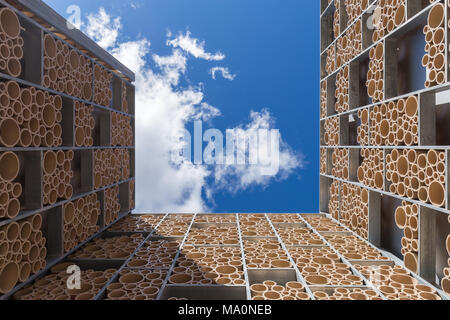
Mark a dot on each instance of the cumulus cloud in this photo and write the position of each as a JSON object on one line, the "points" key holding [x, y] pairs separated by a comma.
{"points": [[238, 177], [103, 29], [164, 108], [194, 47], [226, 74]]}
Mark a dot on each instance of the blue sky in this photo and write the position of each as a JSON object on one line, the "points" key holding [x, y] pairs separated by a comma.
{"points": [[272, 47]]}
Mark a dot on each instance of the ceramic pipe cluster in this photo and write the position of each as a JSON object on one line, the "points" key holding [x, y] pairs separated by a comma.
{"points": [[111, 205], [102, 86], [389, 15], [259, 228], [210, 265], [265, 254], [342, 87], [80, 220], [417, 175], [407, 219], [371, 170], [355, 8], [65, 70], [330, 63], [337, 18], [375, 74], [349, 45], [334, 203], [157, 254], [363, 129], [124, 98], [11, 47], [354, 211], [341, 163], [323, 224], [347, 294], [84, 125], [137, 285], [332, 130], [321, 266], [213, 235], [58, 173], [353, 248], [22, 251], [396, 283], [110, 166], [434, 58], [110, 248], [323, 99], [284, 218], [174, 226], [122, 132], [395, 123], [10, 191], [298, 236], [29, 117], [445, 283], [54, 285], [131, 223], [252, 217], [270, 290], [215, 218], [131, 193]]}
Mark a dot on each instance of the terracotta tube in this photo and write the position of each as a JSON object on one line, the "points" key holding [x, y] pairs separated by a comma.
{"points": [[13, 208], [14, 67], [436, 16], [411, 261], [69, 213], [49, 115], [399, 15], [68, 193], [429, 296], [24, 271], [9, 132], [9, 275], [180, 279], [79, 136], [50, 162], [438, 61], [317, 280], [9, 23], [74, 59], [272, 295], [36, 222], [50, 46], [13, 90], [9, 166], [18, 52], [438, 36], [411, 106], [151, 292], [26, 138], [26, 97], [436, 192], [400, 217], [446, 285]]}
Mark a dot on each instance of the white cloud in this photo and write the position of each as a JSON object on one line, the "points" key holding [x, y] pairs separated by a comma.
{"points": [[236, 178], [164, 108], [193, 46], [102, 29], [224, 71]]}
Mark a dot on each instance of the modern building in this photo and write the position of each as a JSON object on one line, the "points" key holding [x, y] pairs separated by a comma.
{"points": [[67, 173]]}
